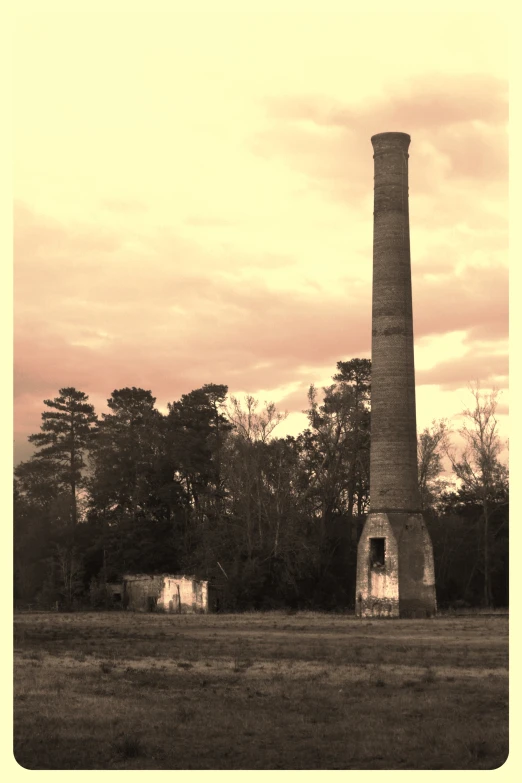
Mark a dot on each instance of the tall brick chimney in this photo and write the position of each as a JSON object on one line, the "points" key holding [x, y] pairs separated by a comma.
{"points": [[393, 456], [395, 574]]}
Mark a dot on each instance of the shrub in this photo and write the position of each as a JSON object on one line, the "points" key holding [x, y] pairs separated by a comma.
{"points": [[429, 675], [130, 746], [242, 659]]}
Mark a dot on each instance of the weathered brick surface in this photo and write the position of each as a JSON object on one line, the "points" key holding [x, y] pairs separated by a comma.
{"points": [[393, 456], [378, 588], [405, 585]]}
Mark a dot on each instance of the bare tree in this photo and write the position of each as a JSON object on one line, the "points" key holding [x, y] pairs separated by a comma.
{"points": [[431, 445], [247, 460], [250, 424], [70, 570], [477, 466]]}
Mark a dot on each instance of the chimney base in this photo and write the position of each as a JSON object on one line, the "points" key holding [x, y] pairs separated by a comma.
{"points": [[395, 571]]}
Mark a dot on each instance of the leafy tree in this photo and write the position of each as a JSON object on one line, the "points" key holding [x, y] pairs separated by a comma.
{"points": [[356, 375], [458, 550], [335, 475], [129, 507], [41, 523], [47, 489], [67, 431], [290, 540], [37, 483], [198, 427], [478, 468], [129, 440], [339, 441], [210, 489], [31, 535], [196, 433]]}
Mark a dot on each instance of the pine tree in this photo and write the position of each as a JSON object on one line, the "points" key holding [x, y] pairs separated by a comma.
{"points": [[65, 435]]}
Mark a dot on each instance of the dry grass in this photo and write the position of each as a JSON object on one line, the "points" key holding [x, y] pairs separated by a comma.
{"points": [[259, 691]]}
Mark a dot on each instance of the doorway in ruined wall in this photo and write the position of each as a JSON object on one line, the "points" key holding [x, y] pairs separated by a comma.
{"points": [[377, 552], [378, 581], [198, 595], [175, 601]]}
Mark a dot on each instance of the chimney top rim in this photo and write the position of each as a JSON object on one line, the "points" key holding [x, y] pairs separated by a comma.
{"points": [[393, 138]]}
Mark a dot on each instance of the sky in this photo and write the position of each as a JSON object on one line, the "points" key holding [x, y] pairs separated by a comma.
{"points": [[194, 196]]}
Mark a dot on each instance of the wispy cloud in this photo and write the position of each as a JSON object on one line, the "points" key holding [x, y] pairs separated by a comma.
{"points": [[202, 212], [458, 126]]}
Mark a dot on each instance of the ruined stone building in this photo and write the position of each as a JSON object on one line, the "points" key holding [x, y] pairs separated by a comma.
{"points": [[395, 572], [174, 594]]}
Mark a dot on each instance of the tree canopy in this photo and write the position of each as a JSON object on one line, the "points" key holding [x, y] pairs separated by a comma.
{"points": [[210, 488]]}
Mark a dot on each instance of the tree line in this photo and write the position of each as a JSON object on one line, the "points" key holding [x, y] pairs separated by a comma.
{"points": [[209, 489]]}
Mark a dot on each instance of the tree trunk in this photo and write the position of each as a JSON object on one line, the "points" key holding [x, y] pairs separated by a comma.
{"points": [[487, 575], [74, 510]]}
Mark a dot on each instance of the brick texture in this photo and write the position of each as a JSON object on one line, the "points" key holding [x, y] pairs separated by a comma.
{"points": [[393, 456], [404, 585]]}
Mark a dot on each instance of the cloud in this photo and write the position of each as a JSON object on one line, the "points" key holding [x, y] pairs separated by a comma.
{"points": [[125, 206], [488, 369], [208, 221], [100, 308], [166, 318], [458, 128], [475, 301], [429, 102], [297, 400]]}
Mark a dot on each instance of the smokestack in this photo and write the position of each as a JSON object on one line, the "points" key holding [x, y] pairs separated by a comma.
{"points": [[393, 456], [395, 573]]}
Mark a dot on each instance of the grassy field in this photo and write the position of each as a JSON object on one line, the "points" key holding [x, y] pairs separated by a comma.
{"points": [[259, 691]]}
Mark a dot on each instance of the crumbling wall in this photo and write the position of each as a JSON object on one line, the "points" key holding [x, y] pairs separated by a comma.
{"points": [[405, 585], [174, 594], [377, 587], [184, 594], [114, 592], [141, 592], [416, 568]]}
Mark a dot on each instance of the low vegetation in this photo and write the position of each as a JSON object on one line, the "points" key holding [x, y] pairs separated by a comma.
{"points": [[259, 691]]}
